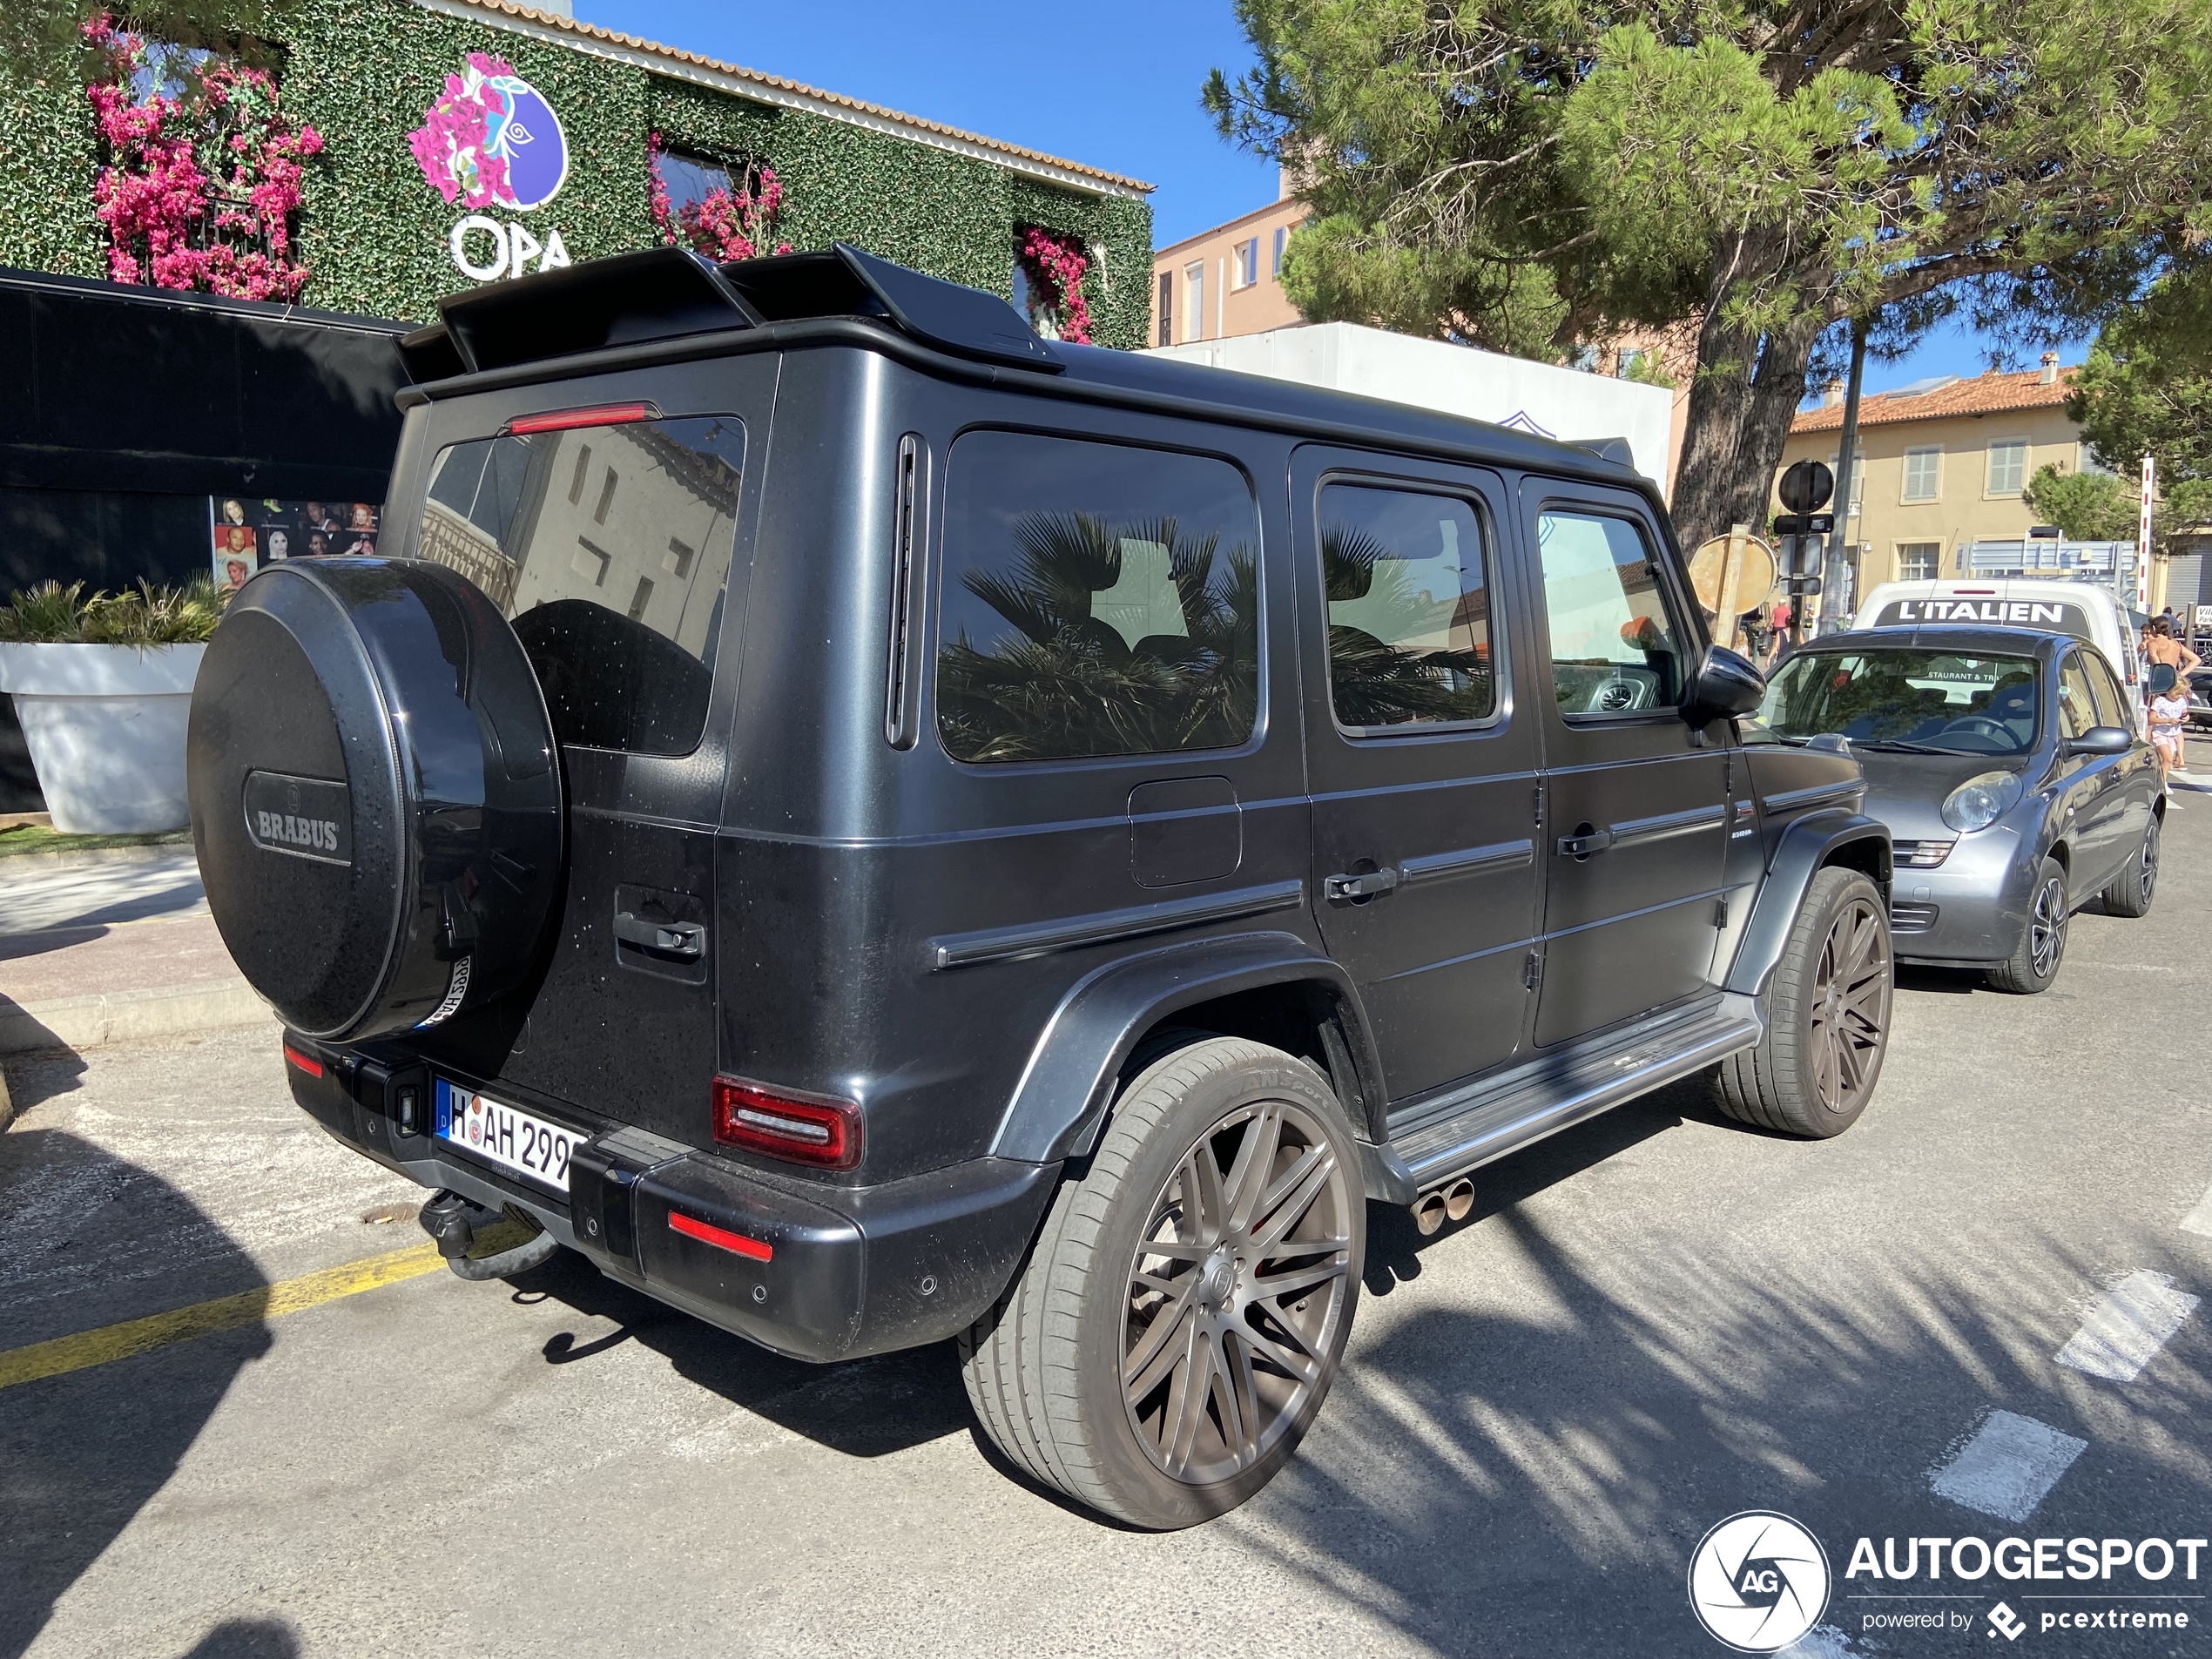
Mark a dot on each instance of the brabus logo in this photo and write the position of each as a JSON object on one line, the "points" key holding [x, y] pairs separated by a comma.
{"points": [[1758, 1582], [307, 817]]}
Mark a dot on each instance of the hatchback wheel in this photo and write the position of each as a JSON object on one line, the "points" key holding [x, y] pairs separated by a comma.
{"points": [[2035, 961], [1828, 1016], [1185, 1308], [2131, 890]]}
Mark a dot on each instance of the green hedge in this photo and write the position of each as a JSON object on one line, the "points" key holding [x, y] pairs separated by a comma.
{"points": [[374, 233]]}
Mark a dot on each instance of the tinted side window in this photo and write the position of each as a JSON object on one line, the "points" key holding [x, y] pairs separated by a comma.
{"points": [[1615, 650], [1098, 599], [2112, 706], [1409, 611], [608, 547], [2077, 703]]}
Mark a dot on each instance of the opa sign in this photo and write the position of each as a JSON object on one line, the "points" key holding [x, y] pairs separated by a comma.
{"points": [[491, 140]]}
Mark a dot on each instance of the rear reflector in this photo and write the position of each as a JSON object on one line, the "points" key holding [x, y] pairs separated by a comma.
{"points": [[564, 420], [805, 1129], [308, 1063], [720, 1237]]}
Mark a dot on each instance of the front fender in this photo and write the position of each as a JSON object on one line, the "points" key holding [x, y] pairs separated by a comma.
{"points": [[1069, 1081], [1808, 843]]}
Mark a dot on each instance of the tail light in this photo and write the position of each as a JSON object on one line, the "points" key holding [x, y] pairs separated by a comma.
{"points": [[805, 1129], [569, 420]]}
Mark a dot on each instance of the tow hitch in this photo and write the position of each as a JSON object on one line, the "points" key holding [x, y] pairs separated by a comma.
{"points": [[460, 1225]]}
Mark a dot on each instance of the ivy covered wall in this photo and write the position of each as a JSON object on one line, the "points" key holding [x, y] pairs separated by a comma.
{"points": [[374, 235]]}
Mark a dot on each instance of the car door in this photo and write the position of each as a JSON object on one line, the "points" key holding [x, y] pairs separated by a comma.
{"points": [[1635, 826], [2126, 783], [1421, 761]]}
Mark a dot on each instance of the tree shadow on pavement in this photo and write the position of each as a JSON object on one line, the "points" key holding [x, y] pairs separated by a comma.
{"points": [[1534, 1482], [246, 1639], [81, 1453]]}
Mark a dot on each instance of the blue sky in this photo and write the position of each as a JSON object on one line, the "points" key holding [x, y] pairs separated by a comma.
{"points": [[1123, 96]]}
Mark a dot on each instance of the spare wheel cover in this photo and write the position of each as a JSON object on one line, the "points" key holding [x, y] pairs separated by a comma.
{"points": [[376, 800]]}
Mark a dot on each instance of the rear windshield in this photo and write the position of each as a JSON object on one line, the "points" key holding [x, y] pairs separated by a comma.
{"points": [[609, 548], [1906, 700]]}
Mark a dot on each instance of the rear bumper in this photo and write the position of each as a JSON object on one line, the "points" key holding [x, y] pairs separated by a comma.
{"points": [[814, 1271]]}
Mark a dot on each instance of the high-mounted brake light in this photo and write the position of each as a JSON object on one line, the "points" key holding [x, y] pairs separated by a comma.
{"points": [[308, 1063], [721, 1237], [806, 1129], [564, 419]]}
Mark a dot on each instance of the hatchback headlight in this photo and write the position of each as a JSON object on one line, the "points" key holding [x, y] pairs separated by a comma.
{"points": [[1979, 802]]}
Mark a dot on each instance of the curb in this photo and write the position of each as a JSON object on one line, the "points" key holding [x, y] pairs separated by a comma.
{"points": [[81, 1022], [65, 858]]}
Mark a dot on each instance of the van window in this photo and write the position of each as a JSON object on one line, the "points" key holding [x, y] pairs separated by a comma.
{"points": [[1615, 650], [1409, 611], [1098, 599], [608, 547]]}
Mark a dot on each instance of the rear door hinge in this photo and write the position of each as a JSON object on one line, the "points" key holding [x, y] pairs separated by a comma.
{"points": [[1540, 803], [1719, 913], [1532, 970]]}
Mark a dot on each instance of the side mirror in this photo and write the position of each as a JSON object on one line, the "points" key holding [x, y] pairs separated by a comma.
{"points": [[1724, 685], [2102, 740]]}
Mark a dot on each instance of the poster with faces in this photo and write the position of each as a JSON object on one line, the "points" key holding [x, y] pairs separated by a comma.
{"points": [[247, 532]]}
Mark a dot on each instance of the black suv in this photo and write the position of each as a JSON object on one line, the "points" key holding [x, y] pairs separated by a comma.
{"points": [[874, 827]]}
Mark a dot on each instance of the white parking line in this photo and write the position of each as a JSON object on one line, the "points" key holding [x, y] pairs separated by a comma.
{"points": [[2009, 1467], [2199, 1220], [2127, 1326]]}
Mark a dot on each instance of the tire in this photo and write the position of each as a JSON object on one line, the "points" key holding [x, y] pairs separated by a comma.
{"points": [[1828, 1016], [1044, 1368], [2036, 959], [2133, 890]]}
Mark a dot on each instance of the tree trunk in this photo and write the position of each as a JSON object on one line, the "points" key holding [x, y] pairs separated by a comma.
{"points": [[1748, 389]]}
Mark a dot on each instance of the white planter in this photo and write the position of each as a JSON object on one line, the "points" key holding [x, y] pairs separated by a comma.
{"points": [[106, 727]]}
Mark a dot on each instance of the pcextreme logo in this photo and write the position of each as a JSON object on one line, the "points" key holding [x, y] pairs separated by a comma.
{"points": [[1758, 1582]]}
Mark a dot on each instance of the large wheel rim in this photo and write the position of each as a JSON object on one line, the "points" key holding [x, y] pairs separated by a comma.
{"points": [[2047, 928], [1237, 1292], [1850, 1007], [2149, 864]]}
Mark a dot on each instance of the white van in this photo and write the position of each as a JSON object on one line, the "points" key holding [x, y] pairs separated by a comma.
{"points": [[2076, 608]]}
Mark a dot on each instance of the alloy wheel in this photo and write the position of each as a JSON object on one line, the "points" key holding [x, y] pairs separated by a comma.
{"points": [[2047, 928], [2149, 864], [1237, 1292], [1851, 1004]]}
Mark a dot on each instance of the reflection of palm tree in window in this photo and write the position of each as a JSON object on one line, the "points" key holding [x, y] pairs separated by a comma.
{"points": [[1386, 666], [1129, 639]]}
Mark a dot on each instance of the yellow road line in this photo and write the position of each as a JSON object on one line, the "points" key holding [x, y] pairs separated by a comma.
{"points": [[110, 1342]]}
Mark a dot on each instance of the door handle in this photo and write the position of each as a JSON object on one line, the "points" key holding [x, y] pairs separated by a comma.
{"points": [[1581, 846], [687, 941], [1359, 887]]}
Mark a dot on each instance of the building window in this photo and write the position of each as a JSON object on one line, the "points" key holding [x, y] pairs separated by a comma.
{"points": [[1916, 561], [1923, 472], [1282, 240], [690, 179], [1167, 308], [1194, 301], [1857, 491], [2008, 466], [1247, 254]]}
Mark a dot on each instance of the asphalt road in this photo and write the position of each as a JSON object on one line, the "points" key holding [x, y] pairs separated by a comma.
{"points": [[1649, 1324]]}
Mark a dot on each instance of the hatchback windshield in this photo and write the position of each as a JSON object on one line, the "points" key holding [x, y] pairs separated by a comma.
{"points": [[1906, 700]]}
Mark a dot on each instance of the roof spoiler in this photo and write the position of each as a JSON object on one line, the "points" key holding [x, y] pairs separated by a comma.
{"points": [[1616, 451], [666, 293]]}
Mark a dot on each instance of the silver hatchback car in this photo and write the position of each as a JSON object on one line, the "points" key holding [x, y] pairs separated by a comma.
{"points": [[2009, 769]]}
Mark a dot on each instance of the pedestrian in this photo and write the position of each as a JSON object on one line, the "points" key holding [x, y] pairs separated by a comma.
{"points": [[2169, 721], [2161, 646]]}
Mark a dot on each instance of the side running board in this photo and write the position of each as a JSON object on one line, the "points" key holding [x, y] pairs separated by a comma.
{"points": [[1440, 1140]]}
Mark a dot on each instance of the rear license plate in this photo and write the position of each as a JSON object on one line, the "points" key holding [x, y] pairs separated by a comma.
{"points": [[529, 1147]]}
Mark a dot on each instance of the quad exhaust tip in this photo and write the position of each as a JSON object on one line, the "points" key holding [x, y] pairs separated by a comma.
{"points": [[1454, 1202]]}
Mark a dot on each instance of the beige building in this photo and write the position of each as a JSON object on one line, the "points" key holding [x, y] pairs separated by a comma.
{"points": [[1943, 464], [1227, 280]]}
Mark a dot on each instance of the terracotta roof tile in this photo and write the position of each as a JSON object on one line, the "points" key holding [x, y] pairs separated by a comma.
{"points": [[875, 111], [1984, 394]]}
